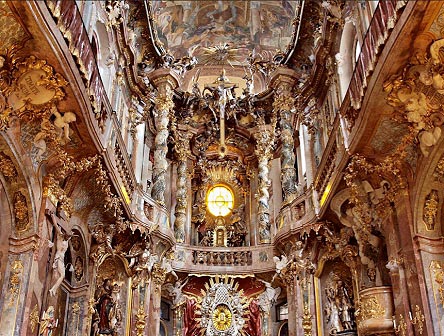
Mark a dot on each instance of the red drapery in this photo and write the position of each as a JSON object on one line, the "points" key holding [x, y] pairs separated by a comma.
{"points": [[253, 326], [190, 325]]}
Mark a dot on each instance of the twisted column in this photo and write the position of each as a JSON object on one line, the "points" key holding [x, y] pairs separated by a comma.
{"points": [[264, 140], [283, 106], [165, 83], [182, 148]]}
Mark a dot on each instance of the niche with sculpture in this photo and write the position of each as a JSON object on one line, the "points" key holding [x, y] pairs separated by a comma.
{"points": [[337, 296], [109, 303]]}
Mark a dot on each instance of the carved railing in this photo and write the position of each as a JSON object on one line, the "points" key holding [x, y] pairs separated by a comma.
{"points": [[384, 19], [246, 259], [326, 167], [222, 258], [69, 21], [122, 160], [295, 216]]}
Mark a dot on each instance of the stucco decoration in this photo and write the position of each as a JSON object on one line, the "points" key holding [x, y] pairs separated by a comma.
{"points": [[417, 95]]}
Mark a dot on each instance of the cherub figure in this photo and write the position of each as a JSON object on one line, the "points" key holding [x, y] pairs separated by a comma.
{"points": [[61, 123]]}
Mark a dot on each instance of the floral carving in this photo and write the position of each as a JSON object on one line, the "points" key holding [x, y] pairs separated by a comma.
{"points": [[21, 212], [431, 209], [7, 168]]}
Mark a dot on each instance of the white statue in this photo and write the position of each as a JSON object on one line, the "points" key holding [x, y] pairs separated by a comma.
{"points": [[168, 267], [268, 297], [61, 123], [39, 139], [175, 291], [428, 138], [59, 259], [280, 262]]}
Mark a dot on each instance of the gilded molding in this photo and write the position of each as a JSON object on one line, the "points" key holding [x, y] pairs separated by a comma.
{"points": [[140, 322], [15, 281], [34, 318]]}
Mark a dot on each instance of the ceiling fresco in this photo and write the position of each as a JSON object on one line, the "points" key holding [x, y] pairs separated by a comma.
{"points": [[194, 28]]}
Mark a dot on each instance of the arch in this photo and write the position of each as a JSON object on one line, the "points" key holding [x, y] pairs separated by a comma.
{"points": [[6, 224]]}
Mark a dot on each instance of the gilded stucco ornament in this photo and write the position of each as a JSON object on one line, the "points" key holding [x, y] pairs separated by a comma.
{"points": [[34, 318], [430, 210], [437, 272], [140, 321], [369, 308], [416, 96], [307, 323], [7, 168], [15, 281], [31, 87], [21, 212]]}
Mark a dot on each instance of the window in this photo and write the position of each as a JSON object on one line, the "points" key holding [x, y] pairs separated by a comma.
{"points": [[220, 200], [282, 312]]}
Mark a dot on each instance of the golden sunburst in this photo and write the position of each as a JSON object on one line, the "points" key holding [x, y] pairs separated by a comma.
{"points": [[222, 317]]}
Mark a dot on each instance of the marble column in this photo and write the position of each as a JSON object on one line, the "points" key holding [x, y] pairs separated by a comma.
{"points": [[264, 139], [182, 149], [283, 106], [165, 81], [292, 300], [158, 275]]}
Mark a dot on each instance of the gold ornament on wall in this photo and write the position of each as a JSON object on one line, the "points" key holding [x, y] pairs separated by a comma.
{"points": [[140, 322], [34, 318], [431, 209], [15, 281], [21, 212], [33, 87], [437, 273]]}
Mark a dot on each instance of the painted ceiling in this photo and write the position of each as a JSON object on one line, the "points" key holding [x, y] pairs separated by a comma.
{"points": [[218, 32]]}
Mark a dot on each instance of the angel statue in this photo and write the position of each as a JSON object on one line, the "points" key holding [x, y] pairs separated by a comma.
{"points": [[175, 291], [281, 263]]}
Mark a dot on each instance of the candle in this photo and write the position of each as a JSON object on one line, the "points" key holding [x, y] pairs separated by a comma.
{"points": [[410, 314], [394, 322]]}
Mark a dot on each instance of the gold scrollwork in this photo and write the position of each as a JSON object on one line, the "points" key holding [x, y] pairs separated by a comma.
{"points": [[7, 168], [369, 308], [140, 323], [306, 321], [15, 281], [33, 86], [34, 317], [438, 277]]}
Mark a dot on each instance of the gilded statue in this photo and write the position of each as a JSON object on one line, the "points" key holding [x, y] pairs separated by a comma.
{"points": [[107, 313], [48, 322]]}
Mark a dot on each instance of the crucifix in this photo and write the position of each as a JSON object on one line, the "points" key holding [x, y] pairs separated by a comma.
{"points": [[222, 90]]}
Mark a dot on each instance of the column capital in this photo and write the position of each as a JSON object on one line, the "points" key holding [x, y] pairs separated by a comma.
{"points": [[163, 76], [283, 77]]}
